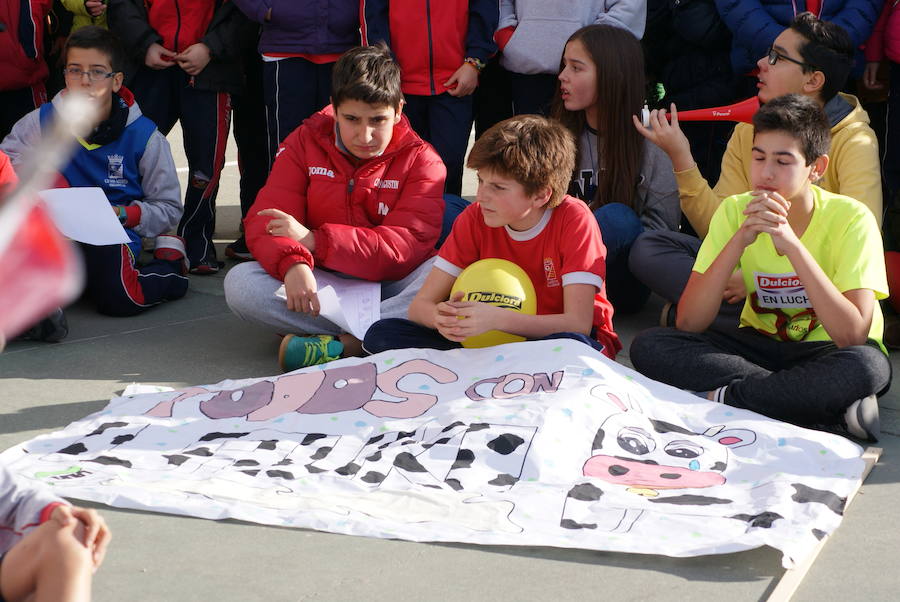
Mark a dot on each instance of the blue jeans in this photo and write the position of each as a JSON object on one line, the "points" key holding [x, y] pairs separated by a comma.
{"points": [[397, 333], [620, 226], [453, 206]]}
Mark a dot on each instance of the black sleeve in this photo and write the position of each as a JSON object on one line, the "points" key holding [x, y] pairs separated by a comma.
{"points": [[128, 19]]}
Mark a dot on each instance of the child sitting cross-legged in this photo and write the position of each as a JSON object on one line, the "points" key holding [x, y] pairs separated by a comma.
{"points": [[521, 214], [809, 349]]}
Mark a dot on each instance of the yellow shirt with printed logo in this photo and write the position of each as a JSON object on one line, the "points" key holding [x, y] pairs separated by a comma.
{"points": [[842, 237]]}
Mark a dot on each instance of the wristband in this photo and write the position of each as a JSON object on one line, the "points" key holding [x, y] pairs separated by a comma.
{"points": [[123, 216], [477, 63]]}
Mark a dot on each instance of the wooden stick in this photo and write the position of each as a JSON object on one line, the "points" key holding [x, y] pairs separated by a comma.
{"points": [[792, 578]]}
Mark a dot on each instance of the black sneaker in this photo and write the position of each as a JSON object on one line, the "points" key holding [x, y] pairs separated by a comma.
{"points": [[51, 329], [238, 250], [206, 266]]}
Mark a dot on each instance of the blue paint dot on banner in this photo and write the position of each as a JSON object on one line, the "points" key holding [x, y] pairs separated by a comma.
{"points": [[567, 412], [359, 423], [47, 444], [509, 417], [587, 372], [279, 419], [729, 413], [424, 387], [781, 442], [499, 358], [160, 443]]}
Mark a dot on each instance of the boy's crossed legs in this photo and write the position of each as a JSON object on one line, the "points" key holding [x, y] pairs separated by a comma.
{"points": [[806, 383]]}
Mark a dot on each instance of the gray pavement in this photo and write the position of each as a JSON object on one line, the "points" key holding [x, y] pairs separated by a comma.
{"points": [[43, 387]]}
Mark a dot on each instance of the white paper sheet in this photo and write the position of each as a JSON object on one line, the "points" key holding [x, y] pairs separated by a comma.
{"points": [[352, 304], [84, 214]]}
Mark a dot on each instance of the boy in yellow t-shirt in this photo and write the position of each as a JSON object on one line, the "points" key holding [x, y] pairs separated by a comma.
{"points": [[809, 348]]}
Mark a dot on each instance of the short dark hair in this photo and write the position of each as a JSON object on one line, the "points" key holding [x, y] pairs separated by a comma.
{"points": [[532, 150], [369, 74], [99, 39], [828, 48], [800, 117]]}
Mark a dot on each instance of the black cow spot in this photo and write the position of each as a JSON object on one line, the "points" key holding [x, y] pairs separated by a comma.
{"points": [[819, 534], [585, 492], [373, 477], [289, 476], [464, 459], [312, 437], [617, 470], [107, 425], [427, 445], [442, 441], [763, 520], [252, 473], [321, 453], [598, 439], [269, 445], [452, 426], [246, 463], [110, 461], [478, 426], [661, 426], [374, 457], [122, 439], [176, 459], [285, 462], [348, 470], [408, 462], [314, 469], [669, 475], [568, 523], [808, 495], [200, 451], [454, 484], [74, 449], [506, 443], [503, 480], [405, 434], [689, 500], [431, 486], [719, 467], [375, 439], [214, 436]]}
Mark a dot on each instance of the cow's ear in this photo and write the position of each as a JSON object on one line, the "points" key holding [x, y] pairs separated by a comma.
{"points": [[731, 437], [622, 401]]}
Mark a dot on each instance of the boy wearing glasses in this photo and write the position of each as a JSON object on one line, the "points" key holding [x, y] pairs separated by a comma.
{"points": [[131, 161], [812, 58]]}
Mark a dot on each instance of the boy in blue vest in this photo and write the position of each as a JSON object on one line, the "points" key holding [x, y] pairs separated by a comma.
{"points": [[131, 161]]}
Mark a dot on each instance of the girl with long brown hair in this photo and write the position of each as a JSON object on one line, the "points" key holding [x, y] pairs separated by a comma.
{"points": [[628, 182]]}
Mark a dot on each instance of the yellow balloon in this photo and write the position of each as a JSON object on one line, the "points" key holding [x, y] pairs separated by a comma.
{"points": [[501, 283]]}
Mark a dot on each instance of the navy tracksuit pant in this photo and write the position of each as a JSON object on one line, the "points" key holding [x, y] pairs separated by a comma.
{"points": [[167, 96]]}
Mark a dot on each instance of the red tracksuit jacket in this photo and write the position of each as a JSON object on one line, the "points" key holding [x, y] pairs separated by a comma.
{"points": [[377, 220]]}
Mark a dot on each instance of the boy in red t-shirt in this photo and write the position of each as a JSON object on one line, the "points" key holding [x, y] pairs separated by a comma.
{"points": [[521, 214]]}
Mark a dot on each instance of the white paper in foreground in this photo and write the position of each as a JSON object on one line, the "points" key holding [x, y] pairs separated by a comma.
{"points": [[84, 214], [352, 304]]}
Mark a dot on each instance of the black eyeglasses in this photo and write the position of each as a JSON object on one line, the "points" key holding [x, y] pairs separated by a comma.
{"points": [[94, 75], [773, 56]]}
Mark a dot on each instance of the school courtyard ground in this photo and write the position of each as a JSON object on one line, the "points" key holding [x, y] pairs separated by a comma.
{"points": [[44, 387]]}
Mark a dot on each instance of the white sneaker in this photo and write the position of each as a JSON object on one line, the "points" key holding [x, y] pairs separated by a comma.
{"points": [[862, 419]]}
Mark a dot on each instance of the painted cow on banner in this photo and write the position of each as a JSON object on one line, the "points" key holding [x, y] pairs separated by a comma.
{"points": [[653, 459]]}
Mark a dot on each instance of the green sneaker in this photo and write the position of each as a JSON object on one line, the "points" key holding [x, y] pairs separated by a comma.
{"points": [[299, 352]]}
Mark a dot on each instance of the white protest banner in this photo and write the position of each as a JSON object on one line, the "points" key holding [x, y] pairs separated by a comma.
{"points": [[540, 443]]}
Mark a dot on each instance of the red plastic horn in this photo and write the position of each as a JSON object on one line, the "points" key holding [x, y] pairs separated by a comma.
{"points": [[741, 111]]}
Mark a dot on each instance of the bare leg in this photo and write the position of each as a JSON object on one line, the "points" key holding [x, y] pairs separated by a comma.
{"points": [[352, 345], [48, 564]]}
